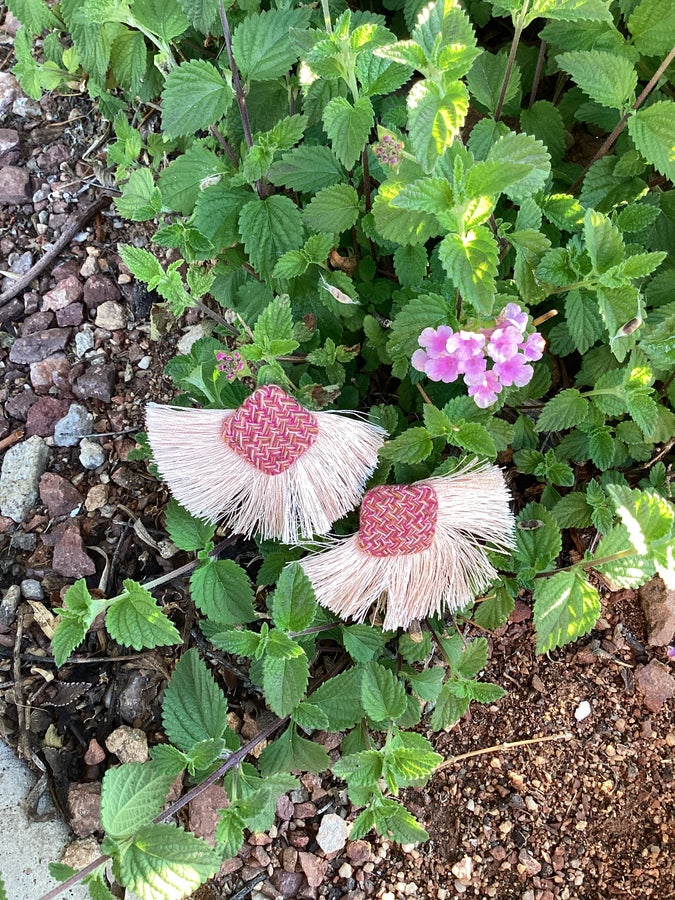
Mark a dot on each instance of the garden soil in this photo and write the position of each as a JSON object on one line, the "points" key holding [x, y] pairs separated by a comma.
{"points": [[563, 790]]}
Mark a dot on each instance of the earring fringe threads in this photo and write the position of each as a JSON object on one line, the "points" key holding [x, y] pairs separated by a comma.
{"points": [[421, 549], [270, 466]]}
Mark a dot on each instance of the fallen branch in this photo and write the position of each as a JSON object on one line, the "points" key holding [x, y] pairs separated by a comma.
{"points": [[508, 745]]}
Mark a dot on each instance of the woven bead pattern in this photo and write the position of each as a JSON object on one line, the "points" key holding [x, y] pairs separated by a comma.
{"points": [[398, 519], [271, 430]]}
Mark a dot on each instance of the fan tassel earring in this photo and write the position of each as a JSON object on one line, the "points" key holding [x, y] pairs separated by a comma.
{"points": [[421, 549], [270, 466]]}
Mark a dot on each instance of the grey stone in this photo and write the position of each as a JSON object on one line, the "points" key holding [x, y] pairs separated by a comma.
{"points": [[92, 454], [333, 833], [70, 430], [9, 604], [32, 589], [84, 341], [10, 146], [19, 405], [97, 383], [38, 345], [10, 90], [24, 540], [21, 470], [14, 186], [67, 291], [111, 315], [26, 108]]}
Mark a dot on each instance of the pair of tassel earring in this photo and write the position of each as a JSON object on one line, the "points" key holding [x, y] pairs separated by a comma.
{"points": [[275, 468]]}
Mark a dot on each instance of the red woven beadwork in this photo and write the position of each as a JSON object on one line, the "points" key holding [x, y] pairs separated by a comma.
{"points": [[398, 519], [271, 430]]}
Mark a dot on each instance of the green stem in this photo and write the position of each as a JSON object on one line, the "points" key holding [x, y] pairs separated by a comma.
{"points": [[326, 16], [519, 25], [589, 564]]}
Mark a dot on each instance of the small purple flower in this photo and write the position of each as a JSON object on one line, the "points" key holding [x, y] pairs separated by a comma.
{"points": [[442, 368], [514, 371], [533, 347], [435, 340], [513, 315], [503, 343], [388, 150], [230, 363], [485, 393]]}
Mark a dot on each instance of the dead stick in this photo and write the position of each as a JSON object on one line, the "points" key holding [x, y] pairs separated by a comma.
{"points": [[509, 745], [12, 439], [74, 224]]}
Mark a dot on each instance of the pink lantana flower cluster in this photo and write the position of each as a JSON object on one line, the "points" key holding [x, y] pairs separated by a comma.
{"points": [[230, 364], [447, 354]]}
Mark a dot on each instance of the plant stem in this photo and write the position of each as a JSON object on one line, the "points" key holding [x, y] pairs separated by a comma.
{"points": [[326, 16], [225, 145], [612, 138], [537, 74], [507, 745], [188, 567], [590, 563], [509, 66]]}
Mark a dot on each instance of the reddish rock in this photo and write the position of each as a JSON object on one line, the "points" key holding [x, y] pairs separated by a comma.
{"points": [[314, 868], [289, 859], [358, 852], [70, 559], [230, 866], [14, 186], [10, 146], [97, 383], [39, 345], [658, 605], [43, 416], [66, 269], [50, 372], [70, 316], [656, 684], [99, 289], [285, 808], [59, 495], [95, 753], [287, 883], [67, 291], [521, 613], [305, 810], [51, 158], [18, 405], [203, 812], [38, 321], [84, 802]]}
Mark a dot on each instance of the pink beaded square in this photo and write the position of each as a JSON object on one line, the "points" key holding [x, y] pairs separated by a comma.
{"points": [[398, 519], [271, 430]]}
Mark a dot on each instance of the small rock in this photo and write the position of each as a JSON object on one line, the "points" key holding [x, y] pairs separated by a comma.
{"points": [[95, 753], [59, 495], [314, 868], [32, 589], [203, 811], [333, 833], [70, 558], [43, 416], [656, 684], [100, 289], [26, 108], [10, 90], [70, 316], [84, 802], [89, 267], [92, 454], [10, 146], [70, 430], [9, 604], [38, 345], [289, 859], [463, 870], [51, 158], [111, 316], [285, 808], [658, 605], [38, 321], [80, 853], [97, 497], [97, 383], [345, 871], [21, 470], [582, 711], [67, 291], [128, 744], [18, 406], [84, 341], [49, 372], [521, 613], [287, 883], [358, 852], [532, 867], [12, 311], [193, 334], [66, 269], [14, 185]]}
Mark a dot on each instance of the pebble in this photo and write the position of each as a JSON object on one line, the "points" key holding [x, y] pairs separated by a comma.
{"points": [[97, 383], [582, 711], [67, 291], [14, 186], [655, 683], [26, 108], [39, 345], [59, 495], [128, 744], [50, 372], [314, 867], [69, 430], [9, 604], [92, 454], [44, 414], [95, 753], [70, 316], [333, 833], [111, 316], [10, 146], [32, 589], [144, 362], [70, 558], [10, 90], [97, 497], [658, 605], [22, 468], [84, 341], [99, 289], [84, 802]]}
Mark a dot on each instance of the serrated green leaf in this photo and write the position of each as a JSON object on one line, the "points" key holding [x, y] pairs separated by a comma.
{"points": [[310, 717], [186, 531], [380, 76], [653, 28], [413, 446], [435, 116], [333, 209], [285, 682], [474, 658], [449, 709], [216, 213], [201, 13], [290, 752], [492, 178], [382, 694], [391, 820], [653, 132], [410, 264], [494, 611], [486, 78], [573, 510], [269, 228], [274, 324], [307, 169], [566, 606], [222, 591], [140, 200], [603, 241], [260, 43], [484, 134], [483, 691], [426, 684], [637, 216], [348, 127], [644, 410], [195, 709], [71, 630], [475, 438], [195, 96], [293, 602], [33, 13], [538, 541], [136, 620], [397, 224], [523, 149], [235, 641], [410, 765], [565, 410], [647, 516], [142, 264], [601, 446], [128, 58], [583, 322], [471, 262], [161, 17], [166, 863], [607, 78], [230, 831], [544, 121], [363, 642], [361, 771], [340, 699], [132, 795], [182, 180], [629, 571]]}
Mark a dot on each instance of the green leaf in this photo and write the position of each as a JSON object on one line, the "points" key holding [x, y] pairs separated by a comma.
{"points": [[412, 446], [583, 321], [391, 820], [382, 694], [128, 58], [222, 591], [523, 148], [332, 209], [182, 180], [601, 446], [340, 699], [187, 532], [275, 325], [235, 641], [486, 78], [35, 14], [471, 262], [306, 169], [195, 96], [410, 264], [261, 46], [483, 691], [435, 116], [538, 541], [380, 76], [492, 178], [348, 127], [475, 438], [309, 717], [564, 211], [363, 642], [426, 684], [142, 264], [408, 765], [474, 658], [290, 752], [449, 708], [573, 510], [603, 241], [397, 224], [293, 602], [201, 13], [161, 17], [423, 311], [136, 620], [132, 795], [653, 132], [630, 571], [285, 682], [647, 516], [217, 210], [195, 709], [71, 630], [607, 78], [544, 121], [565, 410], [644, 409], [230, 831], [652, 26], [166, 863], [566, 606], [361, 771], [494, 611], [269, 228]]}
